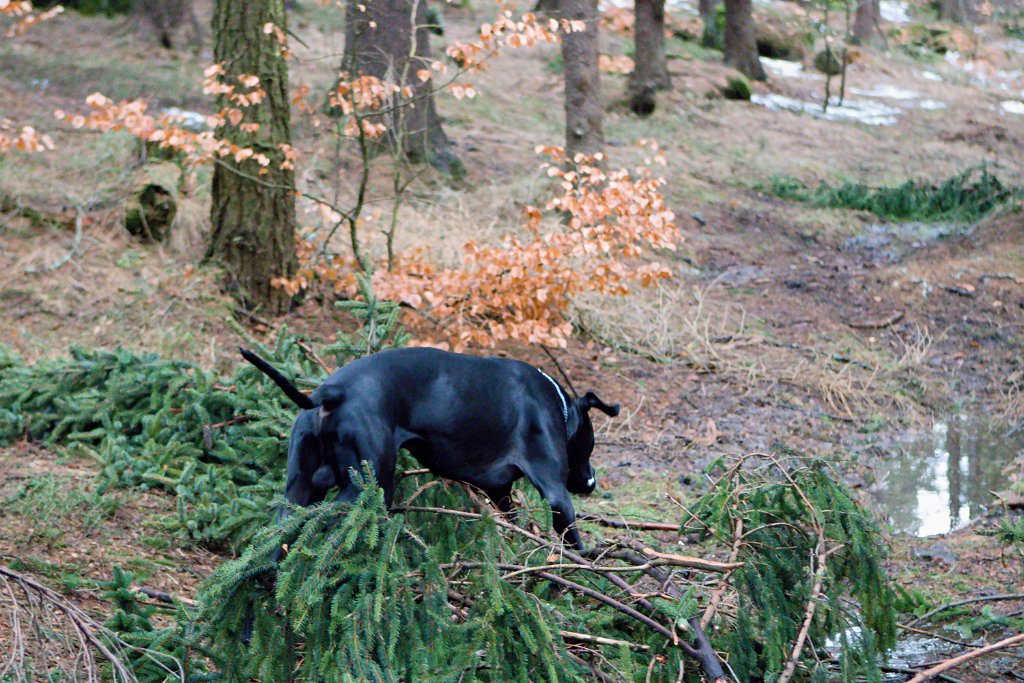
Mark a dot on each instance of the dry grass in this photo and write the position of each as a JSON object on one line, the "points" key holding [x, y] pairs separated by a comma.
{"points": [[701, 326]]}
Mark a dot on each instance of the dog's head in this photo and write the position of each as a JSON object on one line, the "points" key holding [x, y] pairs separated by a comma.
{"points": [[582, 478]]}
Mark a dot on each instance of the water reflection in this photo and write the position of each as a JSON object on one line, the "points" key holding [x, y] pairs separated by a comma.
{"points": [[936, 481]]}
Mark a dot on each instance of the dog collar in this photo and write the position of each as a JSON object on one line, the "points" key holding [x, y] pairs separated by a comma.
{"points": [[561, 397]]}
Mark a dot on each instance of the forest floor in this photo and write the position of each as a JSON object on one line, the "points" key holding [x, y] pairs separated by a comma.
{"points": [[829, 331]]}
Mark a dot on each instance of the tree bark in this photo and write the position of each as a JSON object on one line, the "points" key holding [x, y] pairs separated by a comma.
{"points": [[865, 21], [741, 41], [379, 41], [650, 70], [583, 108], [253, 213]]}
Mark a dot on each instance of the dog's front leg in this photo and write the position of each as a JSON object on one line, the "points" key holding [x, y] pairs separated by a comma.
{"points": [[563, 517], [563, 514]]}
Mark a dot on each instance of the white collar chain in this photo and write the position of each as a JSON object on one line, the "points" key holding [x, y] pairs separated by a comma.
{"points": [[561, 397]]}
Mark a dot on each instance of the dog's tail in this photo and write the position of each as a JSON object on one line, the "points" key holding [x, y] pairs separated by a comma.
{"points": [[289, 389]]}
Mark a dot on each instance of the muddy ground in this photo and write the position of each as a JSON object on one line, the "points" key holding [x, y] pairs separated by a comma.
{"points": [[828, 331]]}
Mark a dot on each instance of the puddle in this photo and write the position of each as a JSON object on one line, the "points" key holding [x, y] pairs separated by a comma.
{"points": [[870, 113], [938, 480], [892, 241], [912, 651]]}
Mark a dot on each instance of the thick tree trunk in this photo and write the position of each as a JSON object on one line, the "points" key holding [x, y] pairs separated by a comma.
{"points": [[741, 41], [865, 21], [253, 214], [379, 37], [650, 71], [710, 38], [583, 108]]}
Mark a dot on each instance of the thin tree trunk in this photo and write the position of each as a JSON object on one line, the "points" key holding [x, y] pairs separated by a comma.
{"points": [[957, 11], [865, 22], [546, 7], [583, 109], [740, 40], [650, 71], [253, 214], [379, 37], [707, 17]]}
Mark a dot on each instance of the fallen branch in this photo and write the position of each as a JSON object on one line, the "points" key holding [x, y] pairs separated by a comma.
{"points": [[623, 524], [966, 657], [878, 324], [39, 607], [700, 650], [958, 603], [164, 597], [587, 638]]}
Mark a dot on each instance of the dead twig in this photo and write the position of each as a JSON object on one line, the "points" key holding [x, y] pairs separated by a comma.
{"points": [[311, 354], [966, 657]]}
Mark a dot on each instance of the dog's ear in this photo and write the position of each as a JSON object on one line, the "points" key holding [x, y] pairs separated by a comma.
{"points": [[590, 400]]}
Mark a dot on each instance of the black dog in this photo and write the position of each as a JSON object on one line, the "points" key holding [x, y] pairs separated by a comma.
{"points": [[483, 421]]}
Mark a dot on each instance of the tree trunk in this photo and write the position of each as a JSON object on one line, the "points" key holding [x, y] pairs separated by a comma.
{"points": [[379, 37], [650, 71], [583, 109], [546, 7], [865, 21], [162, 19], [710, 37], [741, 41], [957, 11], [253, 212]]}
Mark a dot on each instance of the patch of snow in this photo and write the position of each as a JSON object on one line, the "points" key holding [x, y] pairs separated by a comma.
{"points": [[788, 69], [886, 91], [981, 73], [931, 76], [931, 105], [1012, 106], [870, 113], [894, 12], [190, 120]]}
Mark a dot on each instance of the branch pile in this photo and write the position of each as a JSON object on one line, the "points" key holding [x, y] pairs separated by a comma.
{"points": [[440, 588]]}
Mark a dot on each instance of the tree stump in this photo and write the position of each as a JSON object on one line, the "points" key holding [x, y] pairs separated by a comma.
{"points": [[150, 209]]}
